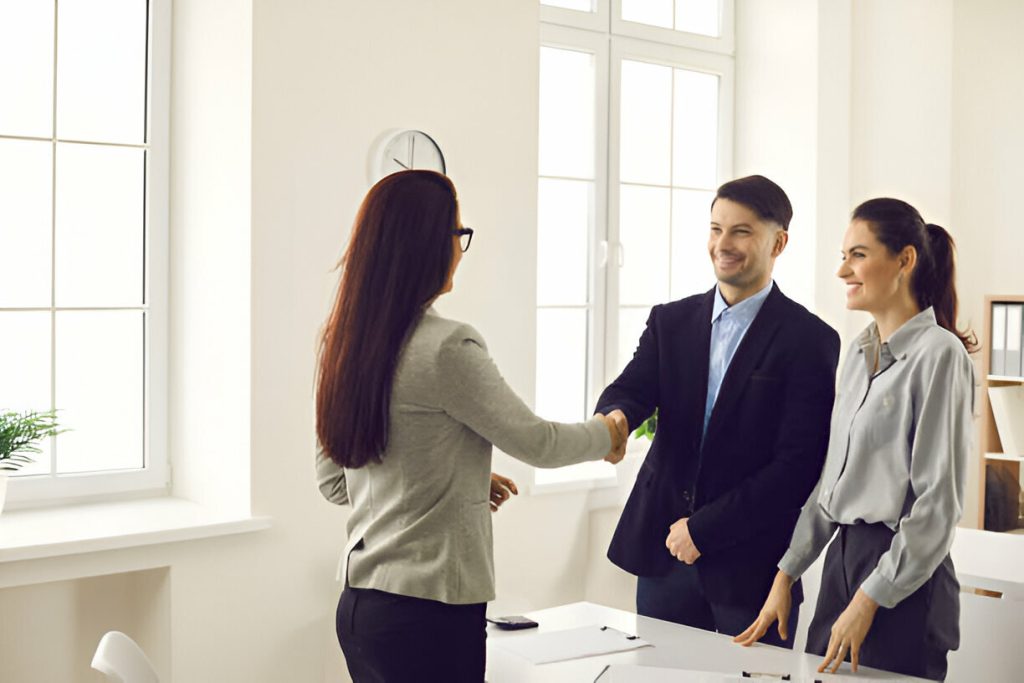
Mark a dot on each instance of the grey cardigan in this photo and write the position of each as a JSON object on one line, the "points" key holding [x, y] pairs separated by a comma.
{"points": [[421, 521]]}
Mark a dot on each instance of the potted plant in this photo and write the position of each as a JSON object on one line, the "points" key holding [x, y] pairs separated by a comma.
{"points": [[19, 434]]}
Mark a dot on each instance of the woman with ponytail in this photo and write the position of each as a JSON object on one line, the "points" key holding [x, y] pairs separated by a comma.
{"points": [[408, 404], [893, 481]]}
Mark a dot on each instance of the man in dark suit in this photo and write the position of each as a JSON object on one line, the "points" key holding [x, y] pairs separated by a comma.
{"points": [[743, 379]]}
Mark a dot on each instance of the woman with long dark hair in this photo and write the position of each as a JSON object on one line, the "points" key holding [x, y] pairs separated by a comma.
{"points": [[408, 406], [893, 481]]}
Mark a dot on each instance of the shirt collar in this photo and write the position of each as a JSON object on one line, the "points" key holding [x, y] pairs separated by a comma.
{"points": [[746, 310], [900, 341]]}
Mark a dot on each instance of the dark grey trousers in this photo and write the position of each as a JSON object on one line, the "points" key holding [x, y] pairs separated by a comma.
{"points": [[912, 638]]}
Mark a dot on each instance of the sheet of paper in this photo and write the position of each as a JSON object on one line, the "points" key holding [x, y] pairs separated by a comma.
{"points": [[557, 646], [635, 673]]}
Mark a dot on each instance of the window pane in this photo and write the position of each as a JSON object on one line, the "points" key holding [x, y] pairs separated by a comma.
{"points": [[100, 225], [566, 113], [644, 234], [699, 16], [101, 70], [581, 5], [26, 80], [100, 390], [632, 321], [562, 364], [695, 130], [691, 266], [646, 128], [565, 210], [25, 370], [25, 223], [652, 12]]}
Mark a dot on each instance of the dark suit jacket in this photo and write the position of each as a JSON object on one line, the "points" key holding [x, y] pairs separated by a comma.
{"points": [[763, 453]]}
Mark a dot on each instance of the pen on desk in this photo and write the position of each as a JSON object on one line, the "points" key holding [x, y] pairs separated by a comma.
{"points": [[606, 667], [764, 674]]}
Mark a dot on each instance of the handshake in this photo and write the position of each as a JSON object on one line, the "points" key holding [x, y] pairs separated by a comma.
{"points": [[618, 428]]}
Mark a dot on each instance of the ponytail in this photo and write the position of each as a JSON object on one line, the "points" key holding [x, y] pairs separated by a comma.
{"points": [[935, 285], [897, 225]]}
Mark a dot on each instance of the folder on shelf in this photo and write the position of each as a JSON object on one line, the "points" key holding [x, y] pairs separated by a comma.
{"points": [[998, 366], [1012, 359], [1008, 411]]}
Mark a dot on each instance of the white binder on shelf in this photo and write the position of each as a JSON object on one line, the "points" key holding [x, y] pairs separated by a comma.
{"points": [[1012, 360], [998, 339], [1008, 411]]}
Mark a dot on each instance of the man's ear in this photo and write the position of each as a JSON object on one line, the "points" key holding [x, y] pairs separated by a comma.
{"points": [[781, 240]]}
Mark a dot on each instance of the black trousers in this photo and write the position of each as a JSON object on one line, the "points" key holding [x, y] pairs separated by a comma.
{"points": [[389, 638], [912, 638]]}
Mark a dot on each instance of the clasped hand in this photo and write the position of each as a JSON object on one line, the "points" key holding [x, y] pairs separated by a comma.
{"points": [[618, 429]]}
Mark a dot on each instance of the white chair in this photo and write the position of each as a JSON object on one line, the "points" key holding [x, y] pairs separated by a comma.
{"points": [[122, 660]]}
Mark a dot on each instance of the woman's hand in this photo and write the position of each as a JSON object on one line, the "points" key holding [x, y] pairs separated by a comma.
{"points": [[618, 430], [501, 487], [849, 631], [776, 608]]}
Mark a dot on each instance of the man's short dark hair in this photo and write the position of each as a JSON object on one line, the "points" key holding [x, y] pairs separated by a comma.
{"points": [[761, 196]]}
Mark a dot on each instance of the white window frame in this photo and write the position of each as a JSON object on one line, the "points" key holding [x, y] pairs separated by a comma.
{"points": [[611, 40], [154, 477]]}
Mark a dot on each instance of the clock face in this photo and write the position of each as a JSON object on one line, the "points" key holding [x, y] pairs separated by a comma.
{"points": [[410, 149]]}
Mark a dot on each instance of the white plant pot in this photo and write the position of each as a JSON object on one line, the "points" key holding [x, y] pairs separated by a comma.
{"points": [[3, 489]]}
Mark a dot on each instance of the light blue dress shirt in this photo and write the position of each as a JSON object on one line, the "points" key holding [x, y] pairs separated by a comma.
{"points": [[729, 324]]}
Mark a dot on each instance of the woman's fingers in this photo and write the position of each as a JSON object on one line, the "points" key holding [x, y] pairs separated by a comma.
{"points": [[753, 633], [829, 654], [840, 656]]}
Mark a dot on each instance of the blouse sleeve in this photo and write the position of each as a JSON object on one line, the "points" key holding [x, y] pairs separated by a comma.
{"points": [[813, 531]]}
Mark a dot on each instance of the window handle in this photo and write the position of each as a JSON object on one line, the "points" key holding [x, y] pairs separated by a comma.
{"points": [[602, 258], [621, 249]]}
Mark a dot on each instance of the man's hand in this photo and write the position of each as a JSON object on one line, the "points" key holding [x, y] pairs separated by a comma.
{"points": [[849, 631], [680, 544], [776, 608], [618, 429], [501, 487]]}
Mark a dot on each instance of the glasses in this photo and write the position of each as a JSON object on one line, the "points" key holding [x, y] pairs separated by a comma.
{"points": [[465, 237]]}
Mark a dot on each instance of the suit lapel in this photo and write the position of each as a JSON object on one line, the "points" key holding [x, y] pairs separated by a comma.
{"points": [[697, 340], [748, 354]]}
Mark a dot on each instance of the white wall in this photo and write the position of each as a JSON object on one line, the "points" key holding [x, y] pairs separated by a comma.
{"points": [[987, 177]]}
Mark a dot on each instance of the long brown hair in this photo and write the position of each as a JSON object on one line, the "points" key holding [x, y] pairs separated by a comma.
{"points": [[397, 261], [897, 224]]}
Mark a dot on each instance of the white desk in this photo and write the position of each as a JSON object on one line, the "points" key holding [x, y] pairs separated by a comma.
{"points": [[990, 560], [675, 646]]}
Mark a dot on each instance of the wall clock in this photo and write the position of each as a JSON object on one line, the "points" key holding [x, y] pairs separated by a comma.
{"points": [[403, 150]]}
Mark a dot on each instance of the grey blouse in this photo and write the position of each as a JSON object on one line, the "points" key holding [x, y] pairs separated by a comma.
{"points": [[421, 520], [897, 454]]}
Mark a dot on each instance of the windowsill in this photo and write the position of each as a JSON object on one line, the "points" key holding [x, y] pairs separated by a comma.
{"points": [[604, 492], [76, 529]]}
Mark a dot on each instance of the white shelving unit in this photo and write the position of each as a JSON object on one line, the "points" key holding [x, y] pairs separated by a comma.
{"points": [[989, 443]]}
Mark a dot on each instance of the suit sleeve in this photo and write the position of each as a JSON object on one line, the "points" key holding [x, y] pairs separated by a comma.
{"points": [[798, 453], [477, 395], [330, 479], [635, 390]]}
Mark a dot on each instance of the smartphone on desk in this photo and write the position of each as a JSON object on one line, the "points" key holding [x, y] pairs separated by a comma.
{"points": [[514, 623]]}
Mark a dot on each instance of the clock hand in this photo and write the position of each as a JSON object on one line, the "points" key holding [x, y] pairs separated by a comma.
{"points": [[400, 163]]}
